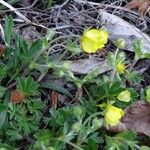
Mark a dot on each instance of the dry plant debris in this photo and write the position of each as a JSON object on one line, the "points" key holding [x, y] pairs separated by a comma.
{"points": [[143, 6]]}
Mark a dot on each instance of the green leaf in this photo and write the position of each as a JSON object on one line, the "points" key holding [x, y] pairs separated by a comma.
{"points": [[146, 55], [5, 147], [3, 71], [35, 47], [106, 90], [45, 43], [50, 34], [122, 141], [8, 29], [91, 145], [56, 87], [43, 137], [2, 91], [3, 114], [93, 74], [133, 77], [138, 45], [27, 85], [73, 47], [2, 107], [129, 135], [145, 148], [97, 138]]}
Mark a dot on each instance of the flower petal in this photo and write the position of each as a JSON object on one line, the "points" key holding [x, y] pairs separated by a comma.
{"points": [[93, 40]]}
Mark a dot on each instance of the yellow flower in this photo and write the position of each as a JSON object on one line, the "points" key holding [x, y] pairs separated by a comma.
{"points": [[121, 68], [124, 96], [113, 115], [93, 40]]}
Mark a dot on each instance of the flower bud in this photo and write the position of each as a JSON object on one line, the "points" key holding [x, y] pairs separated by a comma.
{"points": [[77, 111], [32, 66], [120, 43], [66, 66], [124, 96], [59, 73], [76, 127], [148, 94], [97, 123]]}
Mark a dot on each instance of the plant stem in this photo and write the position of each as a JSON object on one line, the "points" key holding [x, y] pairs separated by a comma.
{"points": [[91, 116], [114, 70], [113, 74], [75, 146], [117, 50], [133, 63], [79, 94], [70, 143], [15, 10]]}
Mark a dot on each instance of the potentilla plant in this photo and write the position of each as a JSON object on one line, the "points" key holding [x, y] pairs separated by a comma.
{"points": [[27, 119]]}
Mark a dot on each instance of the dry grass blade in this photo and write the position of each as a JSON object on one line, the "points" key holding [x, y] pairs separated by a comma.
{"points": [[15, 10]]}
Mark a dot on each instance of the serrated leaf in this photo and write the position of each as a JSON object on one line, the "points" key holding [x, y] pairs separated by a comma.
{"points": [[138, 44], [35, 47], [129, 135], [121, 141], [134, 77], [27, 85], [106, 90]]}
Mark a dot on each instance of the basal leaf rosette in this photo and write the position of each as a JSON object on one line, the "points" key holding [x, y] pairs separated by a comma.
{"points": [[93, 40]]}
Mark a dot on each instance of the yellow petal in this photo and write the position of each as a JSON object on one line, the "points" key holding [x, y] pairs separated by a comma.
{"points": [[121, 68], [104, 36], [113, 115], [93, 40], [93, 34], [88, 45]]}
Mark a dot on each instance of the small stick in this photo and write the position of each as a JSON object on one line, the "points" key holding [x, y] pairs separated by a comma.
{"points": [[15, 10]]}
